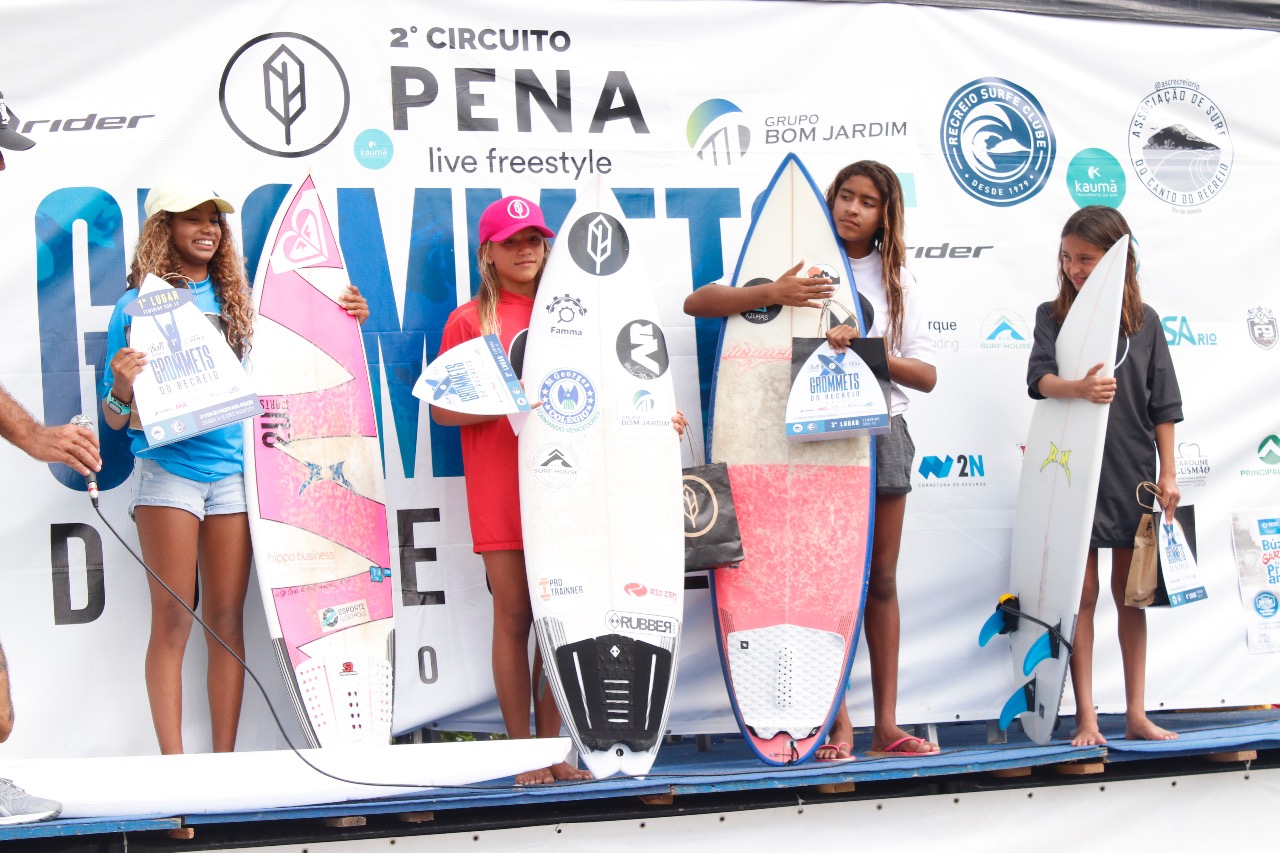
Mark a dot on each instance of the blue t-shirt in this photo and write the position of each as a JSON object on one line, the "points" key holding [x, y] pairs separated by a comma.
{"points": [[204, 458]]}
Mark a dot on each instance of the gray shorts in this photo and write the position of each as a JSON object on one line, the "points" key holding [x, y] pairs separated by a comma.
{"points": [[895, 454]]}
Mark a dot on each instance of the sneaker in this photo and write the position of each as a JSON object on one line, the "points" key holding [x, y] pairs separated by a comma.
{"points": [[17, 806]]}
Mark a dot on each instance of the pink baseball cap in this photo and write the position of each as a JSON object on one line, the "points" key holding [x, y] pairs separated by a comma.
{"points": [[508, 215]]}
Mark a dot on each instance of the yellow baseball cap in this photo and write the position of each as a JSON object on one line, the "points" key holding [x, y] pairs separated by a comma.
{"points": [[181, 196]]}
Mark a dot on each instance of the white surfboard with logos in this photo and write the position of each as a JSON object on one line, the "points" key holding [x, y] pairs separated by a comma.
{"points": [[600, 491], [1057, 493]]}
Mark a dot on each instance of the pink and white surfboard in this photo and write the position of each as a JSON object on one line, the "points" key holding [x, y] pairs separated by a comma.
{"points": [[788, 616], [313, 472]]}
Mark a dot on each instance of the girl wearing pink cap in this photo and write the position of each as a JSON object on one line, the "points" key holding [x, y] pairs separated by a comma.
{"points": [[512, 254]]}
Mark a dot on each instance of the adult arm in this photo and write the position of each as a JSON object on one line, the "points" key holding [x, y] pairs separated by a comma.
{"points": [[6, 699], [70, 445]]}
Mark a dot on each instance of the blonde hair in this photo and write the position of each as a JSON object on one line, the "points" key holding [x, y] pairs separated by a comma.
{"points": [[157, 255], [889, 238], [491, 291]]}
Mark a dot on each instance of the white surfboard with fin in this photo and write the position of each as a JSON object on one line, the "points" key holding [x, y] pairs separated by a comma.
{"points": [[600, 491], [1057, 493]]}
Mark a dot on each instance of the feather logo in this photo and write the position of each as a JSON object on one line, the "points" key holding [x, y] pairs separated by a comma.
{"points": [[284, 88], [690, 504], [599, 240]]}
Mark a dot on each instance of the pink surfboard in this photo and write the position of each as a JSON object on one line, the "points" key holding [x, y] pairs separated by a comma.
{"points": [[788, 617], [313, 472]]}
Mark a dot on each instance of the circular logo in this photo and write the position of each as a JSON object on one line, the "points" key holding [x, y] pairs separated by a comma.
{"points": [[642, 349], [701, 509], [373, 149], [157, 432], [329, 617], [997, 141], [518, 208], [178, 427], [284, 94], [642, 401], [1095, 177], [1179, 145], [639, 590], [555, 465], [762, 315], [1265, 604], [598, 243], [716, 132], [568, 398]]}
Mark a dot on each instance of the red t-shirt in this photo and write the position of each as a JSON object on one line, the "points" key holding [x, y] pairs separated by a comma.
{"points": [[489, 450]]}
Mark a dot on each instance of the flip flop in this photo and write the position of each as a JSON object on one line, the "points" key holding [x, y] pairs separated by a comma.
{"points": [[840, 747], [894, 749]]}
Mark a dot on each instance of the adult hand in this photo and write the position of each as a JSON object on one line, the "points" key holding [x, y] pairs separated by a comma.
{"points": [[71, 445]]}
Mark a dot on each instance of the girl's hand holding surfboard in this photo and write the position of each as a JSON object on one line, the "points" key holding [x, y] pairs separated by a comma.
{"points": [[798, 291], [355, 304]]}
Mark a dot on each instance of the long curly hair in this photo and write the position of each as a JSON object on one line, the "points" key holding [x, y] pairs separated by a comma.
{"points": [[1101, 226], [490, 290], [156, 254], [889, 238]]}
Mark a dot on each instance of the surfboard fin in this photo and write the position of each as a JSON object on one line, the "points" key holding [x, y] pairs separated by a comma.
{"points": [[1003, 621], [1022, 700], [1045, 647]]}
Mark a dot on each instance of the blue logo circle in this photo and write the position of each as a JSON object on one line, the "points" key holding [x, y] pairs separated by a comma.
{"points": [[1265, 603], [568, 398], [373, 149], [997, 141]]}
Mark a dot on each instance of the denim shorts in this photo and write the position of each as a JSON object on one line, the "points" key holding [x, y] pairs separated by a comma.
{"points": [[154, 486], [895, 453]]}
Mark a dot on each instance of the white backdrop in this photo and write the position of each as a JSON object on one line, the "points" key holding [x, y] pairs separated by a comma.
{"points": [[412, 118]]}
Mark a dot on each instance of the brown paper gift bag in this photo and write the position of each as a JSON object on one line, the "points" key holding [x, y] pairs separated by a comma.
{"points": [[1144, 570]]}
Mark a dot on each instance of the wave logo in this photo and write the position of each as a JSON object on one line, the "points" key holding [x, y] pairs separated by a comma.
{"points": [[1177, 331], [1004, 329], [964, 465], [1269, 450], [716, 132], [1179, 144], [997, 141]]}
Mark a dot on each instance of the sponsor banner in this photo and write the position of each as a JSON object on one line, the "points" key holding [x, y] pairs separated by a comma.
{"points": [[418, 118], [1255, 539]]}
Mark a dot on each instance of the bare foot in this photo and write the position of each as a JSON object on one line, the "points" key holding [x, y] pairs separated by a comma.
{"points": [[1087, 734], [566, 772], [541, 776], [1144, 729], [895, 740]]}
